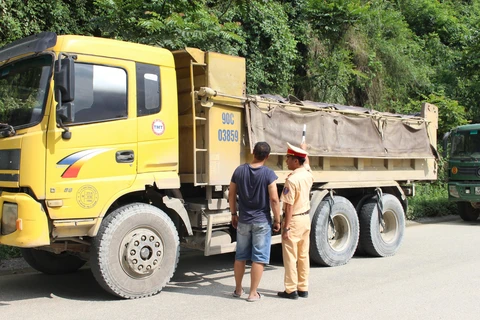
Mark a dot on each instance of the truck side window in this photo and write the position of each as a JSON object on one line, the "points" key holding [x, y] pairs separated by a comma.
{"points": [[100, 93], [148, 89]]}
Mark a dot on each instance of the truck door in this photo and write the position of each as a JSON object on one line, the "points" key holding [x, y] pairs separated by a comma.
{"points": [[157, 124], [89, 170]]}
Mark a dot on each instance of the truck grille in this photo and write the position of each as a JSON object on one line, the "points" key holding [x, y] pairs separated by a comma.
{"points": [[469, 170]]}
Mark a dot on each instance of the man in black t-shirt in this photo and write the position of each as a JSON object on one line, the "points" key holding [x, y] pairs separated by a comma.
{"points": [[256, 188]]}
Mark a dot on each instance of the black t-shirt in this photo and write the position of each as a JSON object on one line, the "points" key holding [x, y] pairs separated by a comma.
{"points": [[252, 190]]}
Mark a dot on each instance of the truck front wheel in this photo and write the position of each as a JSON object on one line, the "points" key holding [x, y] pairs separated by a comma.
{"points": [[467, 212], [334, 233], [52, 263], [135, 252]]}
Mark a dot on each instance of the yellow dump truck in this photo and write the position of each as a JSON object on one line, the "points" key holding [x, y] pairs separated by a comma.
{"points": [[119, 153]]}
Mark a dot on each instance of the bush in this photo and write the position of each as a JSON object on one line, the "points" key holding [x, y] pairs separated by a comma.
{"points": [[431, 200], [7, 252]]}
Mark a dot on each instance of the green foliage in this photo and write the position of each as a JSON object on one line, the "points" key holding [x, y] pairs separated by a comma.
{"points": [[329, 66], [426, 17], [23, 18], [328, 73], [430, 200], [332, 19], [173, 25], [400, 73], [362, 54], [450, 113], [467, 87], [270, 46], [7, 252]]}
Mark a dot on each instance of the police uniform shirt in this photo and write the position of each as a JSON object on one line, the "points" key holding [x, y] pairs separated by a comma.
{"points": [[296, 191]]}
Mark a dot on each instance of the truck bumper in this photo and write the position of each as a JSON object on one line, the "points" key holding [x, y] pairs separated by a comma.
{"points": [[458, 191], [23, 222]]}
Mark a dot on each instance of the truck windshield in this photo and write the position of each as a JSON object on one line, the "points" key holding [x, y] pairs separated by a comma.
{"points": [[466, 144], [23, 88]]}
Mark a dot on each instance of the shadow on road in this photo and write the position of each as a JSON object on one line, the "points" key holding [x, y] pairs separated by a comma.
{"points": [[200, 275], [195, 274], [78, 286]]}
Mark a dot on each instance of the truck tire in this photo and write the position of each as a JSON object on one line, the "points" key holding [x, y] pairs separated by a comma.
{"points": [[376, 240], [51, 263], [135, 252], [467, 212], [326, 247], [358, 203]]}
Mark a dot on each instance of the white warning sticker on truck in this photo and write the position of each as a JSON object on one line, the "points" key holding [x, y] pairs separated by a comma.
{"points": [[158, 127]]}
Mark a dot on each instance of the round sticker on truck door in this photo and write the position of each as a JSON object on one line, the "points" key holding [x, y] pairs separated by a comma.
{"points": [[158, 127], [87, 196]]}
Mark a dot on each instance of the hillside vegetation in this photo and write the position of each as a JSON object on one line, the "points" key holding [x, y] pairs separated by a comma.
{"points": [[385, 55]]}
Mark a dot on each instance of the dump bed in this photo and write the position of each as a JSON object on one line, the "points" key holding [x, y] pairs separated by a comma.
{"points": [[348, 146]]}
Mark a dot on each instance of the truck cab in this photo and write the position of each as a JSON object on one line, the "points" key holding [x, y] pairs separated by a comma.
{"points": [[87, 126], [113, 131], [464, 169]]}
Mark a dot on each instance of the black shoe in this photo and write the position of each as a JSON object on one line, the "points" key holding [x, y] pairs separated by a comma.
{"points": [[303, 294], [291, 295]]}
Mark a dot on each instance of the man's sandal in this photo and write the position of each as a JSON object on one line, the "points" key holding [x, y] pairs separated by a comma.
{"points": [[257, 298], [236, 295]]}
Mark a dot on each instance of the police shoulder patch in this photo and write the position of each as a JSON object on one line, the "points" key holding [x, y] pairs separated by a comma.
{"points": [[285, 190]]}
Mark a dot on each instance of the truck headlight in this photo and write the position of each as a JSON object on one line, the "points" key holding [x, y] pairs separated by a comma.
{"points": [[9, 218], [453, 191]]}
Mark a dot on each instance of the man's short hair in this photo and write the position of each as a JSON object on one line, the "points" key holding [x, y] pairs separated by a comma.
{"points": [[261, 150], [301, 160]]}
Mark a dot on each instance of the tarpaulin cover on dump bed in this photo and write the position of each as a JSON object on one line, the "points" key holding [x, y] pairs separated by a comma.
{"points": [[336, 134]]}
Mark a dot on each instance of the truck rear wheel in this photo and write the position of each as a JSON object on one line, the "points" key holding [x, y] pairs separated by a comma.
{"points": [[375, 239], [333, 244], [135, 252], [467, 212], [52, 263]]}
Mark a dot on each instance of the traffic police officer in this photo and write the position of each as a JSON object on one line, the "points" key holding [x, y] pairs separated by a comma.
{"points": [[296, 223]]}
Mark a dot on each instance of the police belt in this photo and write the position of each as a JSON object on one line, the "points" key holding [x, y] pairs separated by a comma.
{"points": [[301, 214]]}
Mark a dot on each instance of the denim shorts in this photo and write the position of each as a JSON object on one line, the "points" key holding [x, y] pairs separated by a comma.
{"points": [[253, 242]]}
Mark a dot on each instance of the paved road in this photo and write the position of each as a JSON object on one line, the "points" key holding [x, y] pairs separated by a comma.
{"points": [[435, 275]]}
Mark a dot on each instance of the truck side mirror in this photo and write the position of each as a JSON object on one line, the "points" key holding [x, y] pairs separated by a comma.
{"points": [[445, 143], [66, 112], [65, 79]]}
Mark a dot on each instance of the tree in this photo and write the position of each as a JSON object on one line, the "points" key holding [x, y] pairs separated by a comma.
{"points": [[23, 18]]}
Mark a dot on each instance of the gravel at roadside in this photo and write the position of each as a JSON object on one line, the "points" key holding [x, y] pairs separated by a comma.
{"points": [[13, 266]]}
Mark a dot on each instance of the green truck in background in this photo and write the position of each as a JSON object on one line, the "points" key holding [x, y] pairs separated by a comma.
{"points": [[464, 169]]}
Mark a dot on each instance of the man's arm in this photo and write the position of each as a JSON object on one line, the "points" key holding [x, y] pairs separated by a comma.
{"points": [[232, 201], [275, 204]]}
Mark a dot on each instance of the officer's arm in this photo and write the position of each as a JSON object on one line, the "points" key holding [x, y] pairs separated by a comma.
{"points": [[288, 213], [288, 197], [306, 164]]}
